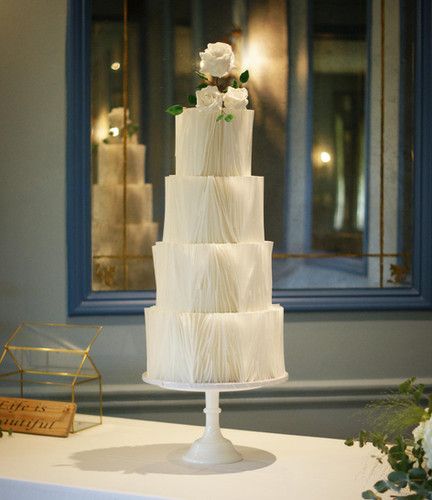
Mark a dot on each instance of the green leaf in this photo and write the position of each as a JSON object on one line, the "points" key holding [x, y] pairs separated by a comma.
{"points": [[349, 442], [234, 84], [201, 75], [370, 495], [229, 118], [192, 100], [381, 486], [417, 474], [220, 117], [399, 478], [202, 86], [406, 387], [174, 110], [244, 77]]}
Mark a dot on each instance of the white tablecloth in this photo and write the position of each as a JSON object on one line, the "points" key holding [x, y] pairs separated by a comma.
{"points": [[129, 459]]}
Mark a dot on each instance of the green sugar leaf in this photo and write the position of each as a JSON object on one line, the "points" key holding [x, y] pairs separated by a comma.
{"points": [[192, 100], [234, 84], [174, 110], [244, 77], [220, 117], [370, 495], [229, 118], [381, 486], [202, 86], [201, 75]]}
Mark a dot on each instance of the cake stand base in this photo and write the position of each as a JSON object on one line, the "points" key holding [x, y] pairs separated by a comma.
{"points": [[212, 448]]}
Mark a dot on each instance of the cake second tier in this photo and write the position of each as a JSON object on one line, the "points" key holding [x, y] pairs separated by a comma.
{"points": [[213, 277], [207, 209]]}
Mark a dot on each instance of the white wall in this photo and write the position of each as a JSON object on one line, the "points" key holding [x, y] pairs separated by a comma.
{"points": [[337, 361]]}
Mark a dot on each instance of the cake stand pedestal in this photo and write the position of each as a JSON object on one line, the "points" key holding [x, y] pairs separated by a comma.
{"points": [[212, 448]]}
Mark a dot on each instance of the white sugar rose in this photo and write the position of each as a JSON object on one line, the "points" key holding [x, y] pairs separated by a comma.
{"points": [[235, 98], [418, 432], [427, 442], [217, 59], [209, 98], [115, 117]]}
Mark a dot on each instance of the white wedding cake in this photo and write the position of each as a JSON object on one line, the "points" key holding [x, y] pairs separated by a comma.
{"points": [[107, 209], [214, 321]]}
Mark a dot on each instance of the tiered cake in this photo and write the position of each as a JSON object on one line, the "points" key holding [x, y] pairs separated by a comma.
{"points": [[107, 209], [214, 320]]}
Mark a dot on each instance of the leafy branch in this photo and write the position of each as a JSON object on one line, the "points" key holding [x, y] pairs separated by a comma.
{"points": [[396, 414]]}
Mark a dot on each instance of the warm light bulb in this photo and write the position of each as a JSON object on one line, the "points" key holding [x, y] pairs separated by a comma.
{"points": [[115, 66], [325, 157], [114, 131]]}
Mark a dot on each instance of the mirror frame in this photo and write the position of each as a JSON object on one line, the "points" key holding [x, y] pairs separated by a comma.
{"points": [[83, 301]]}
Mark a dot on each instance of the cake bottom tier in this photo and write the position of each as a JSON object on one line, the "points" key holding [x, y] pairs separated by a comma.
{"points": [[214, 347]]}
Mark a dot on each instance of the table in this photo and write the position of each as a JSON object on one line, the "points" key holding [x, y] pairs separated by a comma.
{"points": [[128, 459]]}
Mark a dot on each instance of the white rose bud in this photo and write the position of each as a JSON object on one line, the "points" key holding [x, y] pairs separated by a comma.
{"points": [[235, 98], [209, 98], [427, 442], [217, 59], [115, 117]]}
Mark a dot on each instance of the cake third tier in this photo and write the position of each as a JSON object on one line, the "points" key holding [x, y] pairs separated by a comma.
{"points": [[213, 277]]}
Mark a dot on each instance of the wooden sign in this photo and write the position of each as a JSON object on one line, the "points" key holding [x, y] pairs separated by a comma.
{"points": [[35, 416]]}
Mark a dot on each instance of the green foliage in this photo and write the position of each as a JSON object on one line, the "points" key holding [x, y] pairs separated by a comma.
{"points": [[192, 100], [203, 76], [220, 117], [369, 494], [395, 416], [229, 118], [132, 129], [202, 86], [9, 431], [244, 77], [234, 84], [174, 110]]}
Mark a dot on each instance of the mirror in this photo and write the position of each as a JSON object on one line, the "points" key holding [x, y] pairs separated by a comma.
{"points": [[331, 83]]}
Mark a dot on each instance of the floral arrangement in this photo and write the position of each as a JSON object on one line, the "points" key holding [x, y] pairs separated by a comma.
{"points": [[409, 453], [218, 89], [116, 124]]}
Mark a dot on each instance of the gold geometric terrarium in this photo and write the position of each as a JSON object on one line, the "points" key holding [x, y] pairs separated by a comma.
{"points": [[52, 361]]}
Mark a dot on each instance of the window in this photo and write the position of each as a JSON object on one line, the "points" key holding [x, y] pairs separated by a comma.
{"points": [[341, 99]]}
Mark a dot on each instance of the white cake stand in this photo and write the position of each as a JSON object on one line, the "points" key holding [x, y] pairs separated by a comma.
{"points": [[212, 448]]}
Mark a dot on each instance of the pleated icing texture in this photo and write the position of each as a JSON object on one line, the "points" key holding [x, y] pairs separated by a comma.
{"points": [[233, 347], [205, 146], [213, 209], [213, 277]]}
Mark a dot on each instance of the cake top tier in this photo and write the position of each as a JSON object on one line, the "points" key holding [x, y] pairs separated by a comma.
{"points": [[205, 146], [215, 137]]}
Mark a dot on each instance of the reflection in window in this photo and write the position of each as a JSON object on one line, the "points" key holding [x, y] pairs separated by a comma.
{"points": [[123, 227], [332, 134], [339, 58]]}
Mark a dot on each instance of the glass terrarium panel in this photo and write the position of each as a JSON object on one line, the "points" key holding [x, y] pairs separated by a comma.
{"points": [[51, 336], [54, 363]]}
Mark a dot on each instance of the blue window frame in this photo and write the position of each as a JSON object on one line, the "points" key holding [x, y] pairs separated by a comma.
{"points": [[83, 301]]}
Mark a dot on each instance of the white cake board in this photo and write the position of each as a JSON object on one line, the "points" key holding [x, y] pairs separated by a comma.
{"points": [[212, 448]]}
